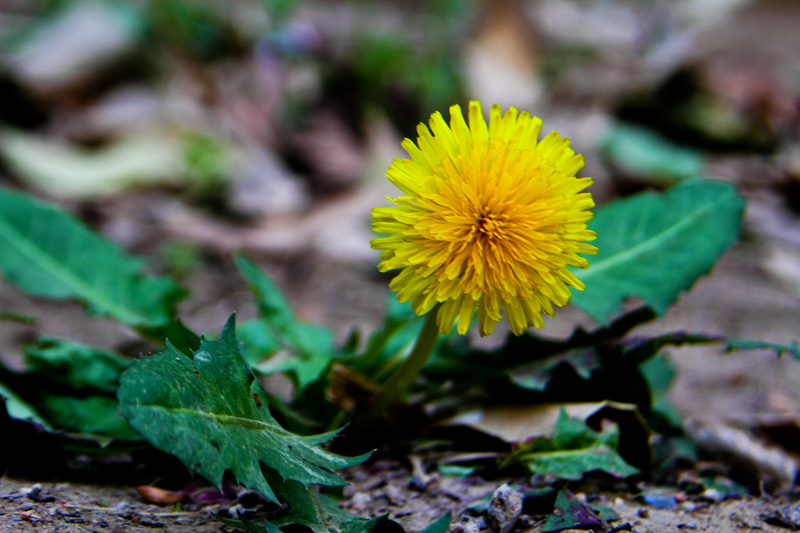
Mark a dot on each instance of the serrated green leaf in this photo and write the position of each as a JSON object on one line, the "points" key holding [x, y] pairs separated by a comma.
{"points": [[316, 511], [48, 253], [572, 451], [310, 346], [641, 349], [656, 245], [178, 335], [637, 350], [75, 365], [211, 412]]}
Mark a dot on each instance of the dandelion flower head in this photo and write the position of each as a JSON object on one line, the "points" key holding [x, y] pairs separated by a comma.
{"points": [[490, 220]]}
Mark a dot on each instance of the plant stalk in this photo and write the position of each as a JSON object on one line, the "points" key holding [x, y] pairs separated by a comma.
{"points": [[407, 372]]}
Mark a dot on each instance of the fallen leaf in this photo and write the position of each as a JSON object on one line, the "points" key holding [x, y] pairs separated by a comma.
{"points": [[71, 172], [159, 496]]}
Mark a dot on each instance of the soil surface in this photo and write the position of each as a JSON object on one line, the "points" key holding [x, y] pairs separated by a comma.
{"points": [[80, 508]]}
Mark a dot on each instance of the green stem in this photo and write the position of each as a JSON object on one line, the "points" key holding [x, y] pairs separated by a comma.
{"points": [[407, 373]]}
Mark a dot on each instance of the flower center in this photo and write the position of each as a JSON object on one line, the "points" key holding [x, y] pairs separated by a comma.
{"points": [[490, 225]]}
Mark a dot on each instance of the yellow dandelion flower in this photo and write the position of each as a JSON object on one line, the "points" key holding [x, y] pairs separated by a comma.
{"points": [[490, 221]]}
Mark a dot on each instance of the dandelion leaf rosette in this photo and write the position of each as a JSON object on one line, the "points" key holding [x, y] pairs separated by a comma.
{"points": [[656, 245], [211, 413], [47, 253]]}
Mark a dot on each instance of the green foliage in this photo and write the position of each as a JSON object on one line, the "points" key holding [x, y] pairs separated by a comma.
{"points": [[643, 348], [193, 27], [75, 365], [211, 413], [749, 344], [310, 346], [315, 511], [200, 401], [572, 451], [659, 373], [280, 9], [536, 375], [77, 386], [571, 513], [397, 74], [48, 253], [590, 361], [19, 409], [655, 246], [440, 525], [95, 415], [207, 161], [644, 153], [68, 387], [390, 344]]}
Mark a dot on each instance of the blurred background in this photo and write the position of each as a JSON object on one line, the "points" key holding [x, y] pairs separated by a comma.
{"points": [[185, 129]]}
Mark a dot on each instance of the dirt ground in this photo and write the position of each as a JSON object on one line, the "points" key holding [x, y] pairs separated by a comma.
{"points": [[79, 508]]}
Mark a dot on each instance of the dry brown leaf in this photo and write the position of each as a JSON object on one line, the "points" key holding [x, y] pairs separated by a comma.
{"points": [[501, 63], [159, 496]]}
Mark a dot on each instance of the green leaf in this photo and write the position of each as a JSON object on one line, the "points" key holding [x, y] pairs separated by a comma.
{"points": [[75, 365], [637, 350], [530, 361], [94, 415], [440, 525], [211, 412], [181, 337], [48, 253], [76, 369], [659, 373], [19, 409], [571, 513], [537, 374], [641, 349], [642, 152], [258, 341], [572, 451], [316, 511], [387, 346], [656, 245], [748, 344], [310, 346]]}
